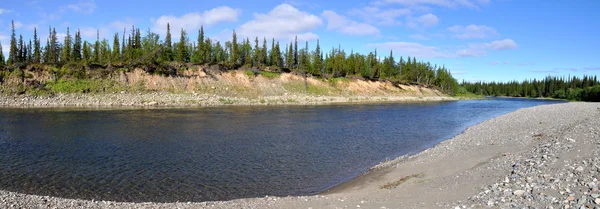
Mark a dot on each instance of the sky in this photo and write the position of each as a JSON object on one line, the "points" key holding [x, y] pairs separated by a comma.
{"points": [[477, 40]]}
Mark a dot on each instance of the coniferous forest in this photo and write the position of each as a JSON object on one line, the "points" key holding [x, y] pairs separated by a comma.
{"points": [[570, 88], [167, 56]]}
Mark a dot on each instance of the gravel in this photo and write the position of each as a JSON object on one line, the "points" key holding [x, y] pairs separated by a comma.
{"points": [[166, 99]]}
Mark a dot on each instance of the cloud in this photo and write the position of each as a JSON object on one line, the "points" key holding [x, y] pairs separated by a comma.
{"points": [[544, 71], [4, 11], [480, 49], [3, 37], [377, 16], [193, 21], [419, 36], [282, 22], [412, 49], [84, 7], [505, 44], [344, 25], [426, 20], [472, 4], [567, 69], [592, 68], [472, 31]]}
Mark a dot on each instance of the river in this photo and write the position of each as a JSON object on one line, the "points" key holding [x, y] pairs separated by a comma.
{"points": [[203, 154]]}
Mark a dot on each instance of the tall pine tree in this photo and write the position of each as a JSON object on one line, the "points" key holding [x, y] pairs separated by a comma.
{"points": [[37, 56], [13, 50]]}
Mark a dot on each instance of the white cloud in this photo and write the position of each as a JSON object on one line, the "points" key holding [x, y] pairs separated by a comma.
{"points": [[472, 31], [377, 16], [426, 20], [419, 36], [3, 37], [282, 22], [85, 7], [473, 4], [413, 49], [344, 25], [17, 25], [193, 21], [4, 11], [502, 44], [480, 49]]}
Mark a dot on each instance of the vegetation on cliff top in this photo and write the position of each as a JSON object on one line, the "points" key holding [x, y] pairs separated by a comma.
{"points": [[76, 59]]}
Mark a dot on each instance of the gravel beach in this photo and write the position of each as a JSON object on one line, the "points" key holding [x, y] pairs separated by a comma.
{"points": [[541, 157], [163, 99]]}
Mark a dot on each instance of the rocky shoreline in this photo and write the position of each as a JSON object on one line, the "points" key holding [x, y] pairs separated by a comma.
{"points": [[162, 99], [541, 157]]}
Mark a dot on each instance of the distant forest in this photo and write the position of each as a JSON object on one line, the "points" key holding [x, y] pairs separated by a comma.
{"points": [[131, 50], [570, 88]]}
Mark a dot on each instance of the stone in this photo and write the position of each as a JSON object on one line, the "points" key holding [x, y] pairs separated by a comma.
{"points": [[152, 103], [580, 169], [570, 198], [597, 201], [519, 192]]}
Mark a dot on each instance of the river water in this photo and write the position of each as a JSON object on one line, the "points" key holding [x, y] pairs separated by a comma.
{"points": [[169, 155]]}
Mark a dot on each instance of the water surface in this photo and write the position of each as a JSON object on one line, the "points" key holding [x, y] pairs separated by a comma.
{"points": [[168, 155]]}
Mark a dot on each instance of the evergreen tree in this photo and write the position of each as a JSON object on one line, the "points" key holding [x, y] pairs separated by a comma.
{"points": [[168, 52], [182, 55], [263, 52], [296, 53], [96, 57], [247, 53], [53, 52], [317, 59], [20, 50], [13, 50], [201, 49], [234, 50], [37, 57], [29, 52], [278, 60], [116, 52], [87, 52], [256, 54], [289, 56], [66, 50], [2, 61]]}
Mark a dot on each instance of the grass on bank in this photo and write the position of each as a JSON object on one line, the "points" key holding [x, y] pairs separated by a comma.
{"points": [[269, 75]]}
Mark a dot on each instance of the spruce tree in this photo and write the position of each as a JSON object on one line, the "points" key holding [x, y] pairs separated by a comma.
{"points": [[13, 50], [168, 52], [36, 48], [317, 59], [200, 49], [76, 51], [96, 56], [234, 50], [29, 52], [2, 62], [66, 50], [263, 52], [296, 52], [182, 55], [116, 52], [289, 56], [86, 52], [20, 50], [256, 54], [273, 61]]}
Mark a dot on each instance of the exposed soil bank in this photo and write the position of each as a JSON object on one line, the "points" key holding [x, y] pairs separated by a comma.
{"points": [[541, 156]]}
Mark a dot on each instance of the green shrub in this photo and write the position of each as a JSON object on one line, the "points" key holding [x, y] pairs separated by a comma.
{"points": [[249, 73], [80, 86], [269, 75]]}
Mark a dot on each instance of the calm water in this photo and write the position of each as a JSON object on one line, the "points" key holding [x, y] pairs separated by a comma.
{"points": [[219, 153]]}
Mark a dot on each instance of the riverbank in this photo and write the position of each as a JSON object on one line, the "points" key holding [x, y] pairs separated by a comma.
{"points": [[165, 99], [541, 156]]}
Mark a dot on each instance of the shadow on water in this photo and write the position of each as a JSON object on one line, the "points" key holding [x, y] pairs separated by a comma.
{"points": [[168, 155]]}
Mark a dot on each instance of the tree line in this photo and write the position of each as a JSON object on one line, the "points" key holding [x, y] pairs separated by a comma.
{"points": [[573, 88], [157, 55]]}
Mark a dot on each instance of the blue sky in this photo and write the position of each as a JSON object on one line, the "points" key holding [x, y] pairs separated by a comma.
{"points": [[489, 40]]}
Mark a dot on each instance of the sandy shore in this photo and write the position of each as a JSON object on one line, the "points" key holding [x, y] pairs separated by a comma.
{"points": [[161, 99], [541, 156]]}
